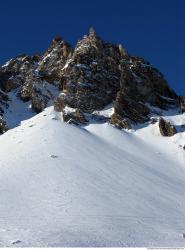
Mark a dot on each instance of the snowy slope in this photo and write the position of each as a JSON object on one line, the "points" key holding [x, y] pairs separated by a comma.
{"points": [[62, 185], [17, 110]]}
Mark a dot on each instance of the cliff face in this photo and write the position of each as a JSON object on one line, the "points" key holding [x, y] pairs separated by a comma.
{"points": [[89, 77]]}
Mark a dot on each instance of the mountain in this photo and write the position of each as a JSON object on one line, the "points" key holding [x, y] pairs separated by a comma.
{"points": [[92, 151], [88, 78]]}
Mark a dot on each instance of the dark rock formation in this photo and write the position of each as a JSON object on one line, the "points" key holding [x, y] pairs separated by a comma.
{"points": [[13, 74], [150, 84], [153, 120], [182, 103], [120, 122], [89, 77], [38, 91], [75, 117], [129, 104], [3, 101], [53, 61], [138, 90], [99, 72], [3, 127], [166, 128], [59, 104]]}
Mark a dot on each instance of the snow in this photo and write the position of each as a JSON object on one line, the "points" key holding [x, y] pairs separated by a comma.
{"points": [[7, 63], [81, 46], [69, 110], [66, 186], [107, 111], [17, 110], [80, 65], [67, 64]]}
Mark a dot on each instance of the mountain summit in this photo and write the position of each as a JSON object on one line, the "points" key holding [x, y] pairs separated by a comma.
{"points": [[69, 177], [90, 77]]}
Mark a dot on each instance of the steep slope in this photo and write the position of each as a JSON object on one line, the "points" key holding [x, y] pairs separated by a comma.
{"points": [[63, 185]]}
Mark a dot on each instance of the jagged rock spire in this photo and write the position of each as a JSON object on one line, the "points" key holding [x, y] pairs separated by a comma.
{"points": [[91, 76], [92, 32], [123, 51], [57, 39]]}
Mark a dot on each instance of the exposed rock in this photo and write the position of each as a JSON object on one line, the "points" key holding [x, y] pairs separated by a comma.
{"points": [[3, 127], [129, 104], [153, 120], [123, 52], [59, 103], [166, 128], [129, 108], [26, 91], [53, 61], [91, 77], [38, 91], [3, 101], [14, 72], [39, 102], [120, 122], [182, 103], [151, 84], [76, 117], [138, 88]]}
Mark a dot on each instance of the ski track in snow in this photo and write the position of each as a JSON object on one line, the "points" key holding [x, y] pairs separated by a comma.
{"points": [[62, 185]]}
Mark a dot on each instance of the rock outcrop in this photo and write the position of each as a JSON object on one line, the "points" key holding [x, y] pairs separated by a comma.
{"points": [[3, 127], [40, 92], [53, 61], [166, 128], [119, 122], [182, 103], [14, 72], [89, 77], [138, 91]]}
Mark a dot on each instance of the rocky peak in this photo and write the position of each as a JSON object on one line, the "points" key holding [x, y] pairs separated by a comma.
{"points": [[54, 59], [99, 73], [90, 44], [92, 32], [91, 77], [13, 73], [94, 74]]}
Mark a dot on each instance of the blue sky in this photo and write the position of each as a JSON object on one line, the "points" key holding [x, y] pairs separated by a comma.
{"points": [[148, 28]]}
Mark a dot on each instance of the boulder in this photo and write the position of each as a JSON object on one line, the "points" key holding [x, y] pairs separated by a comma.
{"points": [[76, 117], [59, 104], [166, 128], [120, 122]]}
